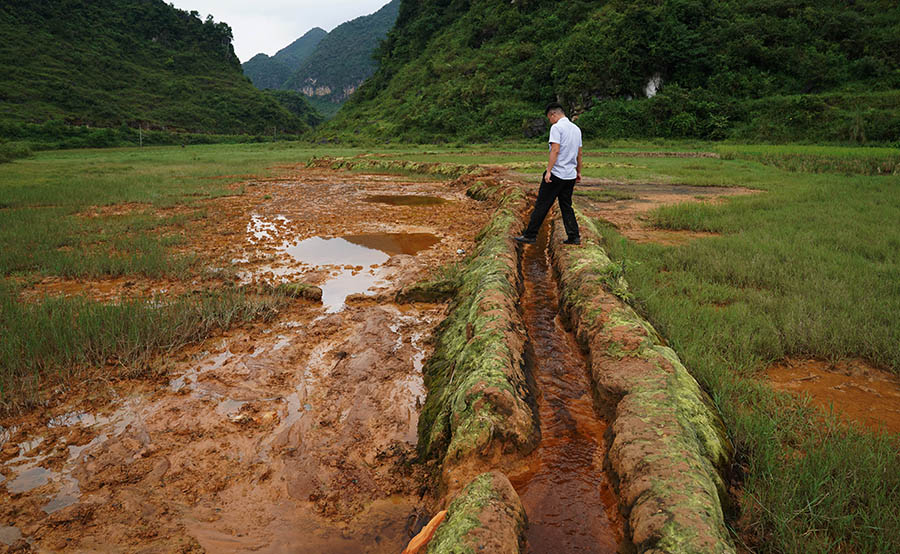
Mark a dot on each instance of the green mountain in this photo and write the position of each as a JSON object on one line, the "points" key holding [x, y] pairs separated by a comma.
{"points": [[761, 69], [272, 72], [111, 63], [343, 60]]}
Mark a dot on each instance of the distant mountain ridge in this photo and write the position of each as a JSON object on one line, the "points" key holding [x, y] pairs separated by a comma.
{"points": [[114, 63], [339, 62], [344, 59], [271, 72]]}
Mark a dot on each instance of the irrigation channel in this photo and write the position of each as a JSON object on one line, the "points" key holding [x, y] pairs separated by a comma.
{"points": [[569, 500]]}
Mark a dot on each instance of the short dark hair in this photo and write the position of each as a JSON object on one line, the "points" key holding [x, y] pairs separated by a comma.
{"points": [[553, 107]]}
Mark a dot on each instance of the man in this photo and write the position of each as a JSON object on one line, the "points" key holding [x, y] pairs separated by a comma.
{"points": [[558, 182]]}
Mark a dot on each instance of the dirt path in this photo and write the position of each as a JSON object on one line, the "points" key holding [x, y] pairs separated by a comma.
{"points": [[296, 434]]}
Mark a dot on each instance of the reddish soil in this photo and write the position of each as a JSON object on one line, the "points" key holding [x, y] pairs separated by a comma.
{"points": [[852, 388], [291, 435]]}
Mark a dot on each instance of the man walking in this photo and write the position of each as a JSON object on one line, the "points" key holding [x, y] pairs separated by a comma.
{"points": [[558, 182]]}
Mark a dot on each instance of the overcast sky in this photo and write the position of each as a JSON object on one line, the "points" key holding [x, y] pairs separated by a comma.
{"points": [[267, 26]]}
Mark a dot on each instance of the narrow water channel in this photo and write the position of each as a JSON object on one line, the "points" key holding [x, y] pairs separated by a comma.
{"points": [[570, 503]]}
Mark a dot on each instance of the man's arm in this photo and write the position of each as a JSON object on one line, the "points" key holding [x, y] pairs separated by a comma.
{"points": [[554, 153], [578, 177]]}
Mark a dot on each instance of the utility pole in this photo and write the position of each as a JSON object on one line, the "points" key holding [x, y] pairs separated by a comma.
{"points": [[141, 134]]}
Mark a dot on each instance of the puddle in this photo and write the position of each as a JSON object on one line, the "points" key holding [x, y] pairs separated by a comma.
{"points": [[854, 389], [405, 200], [29, 479], [9, 535], [359, 257], [570, 503], [395, 243]]}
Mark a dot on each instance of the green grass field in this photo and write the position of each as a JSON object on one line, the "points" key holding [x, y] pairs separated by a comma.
{"points": [[810, 267]]}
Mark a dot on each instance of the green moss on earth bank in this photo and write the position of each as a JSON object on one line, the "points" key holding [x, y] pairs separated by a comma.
{"points": [[478, 404], [487, 516], [669, 446]]}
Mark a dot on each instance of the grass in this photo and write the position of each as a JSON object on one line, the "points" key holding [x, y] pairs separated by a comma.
{"points": [[820, 159], [807, 269]]}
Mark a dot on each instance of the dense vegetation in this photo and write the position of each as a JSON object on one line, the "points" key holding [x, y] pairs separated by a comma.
{"points": [[115, 63], [763, 69], [343, 59], [272, 72]]}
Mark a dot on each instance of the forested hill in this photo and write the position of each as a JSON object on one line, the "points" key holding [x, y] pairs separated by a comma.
{"points": [[109, 63], [761, 69], [343, 60], [272, 72]]}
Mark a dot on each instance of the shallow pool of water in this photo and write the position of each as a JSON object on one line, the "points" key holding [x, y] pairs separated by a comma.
{"points": [[359, 258]]}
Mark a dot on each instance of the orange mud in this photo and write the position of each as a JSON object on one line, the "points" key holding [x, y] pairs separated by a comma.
{"points": [[630, 216], [570, 502], [293, 435], [853, 389]]}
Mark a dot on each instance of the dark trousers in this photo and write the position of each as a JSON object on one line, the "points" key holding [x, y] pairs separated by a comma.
{"points": [[555, 189]]}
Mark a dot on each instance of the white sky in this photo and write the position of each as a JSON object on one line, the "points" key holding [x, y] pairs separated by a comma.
{"points": [[267, 26]]}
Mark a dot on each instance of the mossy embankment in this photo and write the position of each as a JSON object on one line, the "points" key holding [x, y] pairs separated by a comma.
{"points": [[479, 414], [479, 407], [373, 163], [486, 516], [669, 447]]}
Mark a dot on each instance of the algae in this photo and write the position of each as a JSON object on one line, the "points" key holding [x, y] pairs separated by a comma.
{"points": [[487, 516], [478, 401]]}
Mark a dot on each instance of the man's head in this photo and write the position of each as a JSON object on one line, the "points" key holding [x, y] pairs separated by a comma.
{"points": [[554, 112]]}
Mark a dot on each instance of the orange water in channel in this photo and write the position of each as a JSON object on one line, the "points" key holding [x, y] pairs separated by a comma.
{"points": [[570, 502]]}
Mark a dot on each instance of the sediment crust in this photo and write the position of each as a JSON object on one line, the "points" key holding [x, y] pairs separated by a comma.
{"points": [[669, 448]]}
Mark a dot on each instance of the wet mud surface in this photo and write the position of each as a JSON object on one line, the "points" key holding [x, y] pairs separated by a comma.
{"points": [[570, 502], [853, 389], [292, 435]]}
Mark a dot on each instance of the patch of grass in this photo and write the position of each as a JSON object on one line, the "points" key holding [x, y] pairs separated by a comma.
{"points": [[60, 338], [819, 159], [807, 269]]}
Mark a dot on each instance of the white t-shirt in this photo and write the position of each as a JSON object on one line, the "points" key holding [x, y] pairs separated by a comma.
{"points": [[568, 136]]}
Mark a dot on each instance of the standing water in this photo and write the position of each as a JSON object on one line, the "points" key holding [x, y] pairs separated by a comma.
{"points": [[570, 503]]}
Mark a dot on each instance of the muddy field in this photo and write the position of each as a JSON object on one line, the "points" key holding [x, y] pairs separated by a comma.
{"points": [[300, 434]]}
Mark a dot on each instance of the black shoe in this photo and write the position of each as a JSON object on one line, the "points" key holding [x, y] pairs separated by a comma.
{"points": [[525, 240], [575, 240]]}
